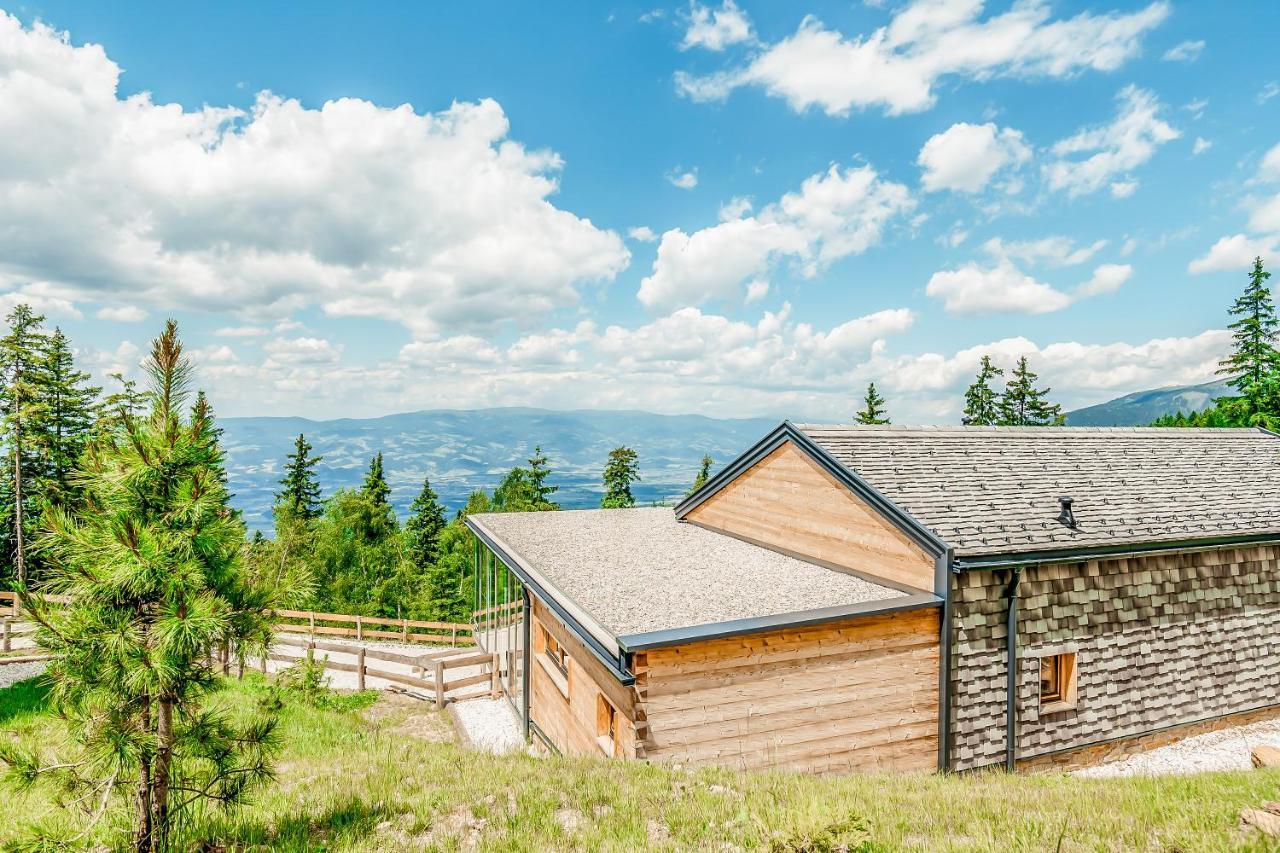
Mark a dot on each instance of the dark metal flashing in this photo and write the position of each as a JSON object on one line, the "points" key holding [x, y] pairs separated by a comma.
{"points": [[796, 555], [943, 579], [737, 627], [1011, 674], [525, 663], [1121, 738], [786, 431], [542, 736], [604, 655], [1077, 555]]}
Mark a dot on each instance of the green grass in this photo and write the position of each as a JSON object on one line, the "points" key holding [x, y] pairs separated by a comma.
{"points": [[387, 778]]}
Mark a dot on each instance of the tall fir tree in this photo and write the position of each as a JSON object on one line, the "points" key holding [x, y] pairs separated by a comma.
{"points": [[423, 528], [704, 473], [872, 412], [981, 401], [69, 407], [300, 495], [1023, 404], [1254, 362], [22, 357], [152, 568], [620, 472], [116, 409], [375, 483], [539, 471]]}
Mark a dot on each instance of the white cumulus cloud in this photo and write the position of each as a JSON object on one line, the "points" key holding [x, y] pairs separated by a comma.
{"points": [[1234, 253], [965, 157], [716, 29], [1184, 51]]}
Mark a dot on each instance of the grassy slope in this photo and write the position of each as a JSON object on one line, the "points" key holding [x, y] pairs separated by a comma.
{"points": [[384, 779]]}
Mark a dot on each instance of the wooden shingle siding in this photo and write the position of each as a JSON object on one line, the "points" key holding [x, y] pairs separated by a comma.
{"points": [[1160, 641], [787, 501], [854, 695]]}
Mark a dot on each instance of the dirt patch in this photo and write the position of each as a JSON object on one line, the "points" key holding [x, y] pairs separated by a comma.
{"points": [[398, 714]]}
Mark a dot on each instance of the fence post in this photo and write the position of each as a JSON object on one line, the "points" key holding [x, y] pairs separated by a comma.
{"points": [[266, 650], [404, 626], [495, 681], [311, 624], [359, 629], [7, 622], [439, 673], [454, 641], [360, 669], [311, 653]]}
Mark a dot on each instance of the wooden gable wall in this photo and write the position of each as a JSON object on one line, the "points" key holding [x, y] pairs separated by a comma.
{"points": [[788, 502]]}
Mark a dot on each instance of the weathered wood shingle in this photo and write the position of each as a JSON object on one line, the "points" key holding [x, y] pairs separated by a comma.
{"points": [[995, 490]]}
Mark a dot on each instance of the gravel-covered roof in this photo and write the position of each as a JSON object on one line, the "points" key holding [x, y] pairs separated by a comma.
{"points": [[640, 570], [995, 490]]}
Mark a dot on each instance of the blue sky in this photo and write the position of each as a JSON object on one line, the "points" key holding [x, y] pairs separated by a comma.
{"points": [[748, 209]]}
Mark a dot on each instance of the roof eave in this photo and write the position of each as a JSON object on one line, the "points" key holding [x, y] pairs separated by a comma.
{"points": [[1006, 559]]}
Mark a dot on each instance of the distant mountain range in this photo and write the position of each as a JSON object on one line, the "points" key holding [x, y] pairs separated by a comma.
{"points": [[1142, 407], [466, 450]]}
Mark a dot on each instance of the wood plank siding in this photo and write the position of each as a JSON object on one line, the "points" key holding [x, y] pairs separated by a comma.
{"points": [[788, 502], [855, 695], [571, 722]]}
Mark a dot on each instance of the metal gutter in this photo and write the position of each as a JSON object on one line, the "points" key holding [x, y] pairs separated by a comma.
{"points": [[1039, 558], [737, 627], [1011, 674], [599, 642], [786, 431], [526, 654]]}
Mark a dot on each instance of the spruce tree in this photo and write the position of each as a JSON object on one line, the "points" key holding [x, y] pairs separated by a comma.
{"points": [[981, 402], [1254, 362], [69, 404], [622, 469], [539, 471], [375, 484], [22, 356], [1023, 404], [424, 526], [704, 474], [152, 569], [116, 409], [300, 495], [872, 412]]}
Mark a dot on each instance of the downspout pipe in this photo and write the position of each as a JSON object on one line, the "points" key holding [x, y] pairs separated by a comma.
{"points": [[1011, 697], [525, 674]]}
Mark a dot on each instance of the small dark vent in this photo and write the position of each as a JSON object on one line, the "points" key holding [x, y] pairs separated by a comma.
{"points": [[1065, 515]]}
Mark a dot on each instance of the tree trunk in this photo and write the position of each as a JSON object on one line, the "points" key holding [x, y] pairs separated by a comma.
{"points": [[160, 783], [142, 819], [19, 556]]}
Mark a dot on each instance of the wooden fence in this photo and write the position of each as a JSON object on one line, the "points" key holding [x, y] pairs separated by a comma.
{"points": [[10, 605], [430, 671]]}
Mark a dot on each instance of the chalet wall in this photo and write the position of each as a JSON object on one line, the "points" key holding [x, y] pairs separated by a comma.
{"points": [[787, 501], [570, 722], [1159, 641], [853, 695]]}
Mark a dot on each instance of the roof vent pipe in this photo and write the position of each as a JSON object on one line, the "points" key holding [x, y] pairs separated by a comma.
{"points": [[1065, 515]]}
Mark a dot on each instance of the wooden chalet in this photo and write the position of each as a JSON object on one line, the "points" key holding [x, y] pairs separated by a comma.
{"points": [[844, 598]]}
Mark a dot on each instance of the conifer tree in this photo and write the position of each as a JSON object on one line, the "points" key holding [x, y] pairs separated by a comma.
{"points": [[375, 483], [152, 569], [424, 526], [1023, 404], [981, 402], [539, 471], [300, 495], [22, 355], [115, 409], [872, 412], [69, 403], [1254, 362], [704, 474], [622, 469]]}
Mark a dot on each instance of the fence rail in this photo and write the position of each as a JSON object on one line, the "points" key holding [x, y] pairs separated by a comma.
{"points": [[450, 633]]}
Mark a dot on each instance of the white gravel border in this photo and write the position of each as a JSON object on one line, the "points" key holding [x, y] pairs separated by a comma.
{"points": [[488, 725], [1225, 749], [12, 673]]}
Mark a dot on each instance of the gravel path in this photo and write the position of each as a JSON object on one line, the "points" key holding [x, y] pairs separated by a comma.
{"points": [[1227, 749], [488, 724], [12, 673]]}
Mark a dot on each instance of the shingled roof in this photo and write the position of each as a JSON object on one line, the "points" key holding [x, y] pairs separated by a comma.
{"points": [[995, 490]]}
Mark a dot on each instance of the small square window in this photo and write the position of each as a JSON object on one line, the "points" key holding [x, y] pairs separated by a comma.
{"points": [[606, 725], [1057, 682]]}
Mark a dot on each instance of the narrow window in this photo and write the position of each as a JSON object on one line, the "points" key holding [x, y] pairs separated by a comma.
{"points": [[606, 725], [1057, 682], [553, 659]]}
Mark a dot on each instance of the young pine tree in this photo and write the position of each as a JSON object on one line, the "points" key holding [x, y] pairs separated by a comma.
{"points": [[375, 483], [873, 411], [622, 469], [1023, 404], [152, 568], [981, 402], [23, 352], [300, 492], [539, 471], [1254, 362], [704, 474], [422, 530]]}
